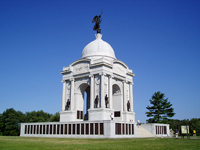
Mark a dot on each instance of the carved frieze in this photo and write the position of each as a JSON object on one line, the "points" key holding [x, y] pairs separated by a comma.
{"points": [[127, 91], [81, 68], [119, 69], [105, 85], [68, 89], [97, 85]]}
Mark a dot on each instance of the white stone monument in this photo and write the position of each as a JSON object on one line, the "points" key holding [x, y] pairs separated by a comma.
{"points": [[106, 81], [101, 85], [97, 99]]}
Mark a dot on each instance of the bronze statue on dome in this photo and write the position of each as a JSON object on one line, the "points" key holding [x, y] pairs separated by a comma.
{"points": [[97, 24]]}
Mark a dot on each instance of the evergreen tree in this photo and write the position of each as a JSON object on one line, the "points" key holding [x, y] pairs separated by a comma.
{"points": [[161, 110]]}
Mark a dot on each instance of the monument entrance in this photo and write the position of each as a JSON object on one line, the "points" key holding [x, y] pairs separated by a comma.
{"points": [[86, 99]]}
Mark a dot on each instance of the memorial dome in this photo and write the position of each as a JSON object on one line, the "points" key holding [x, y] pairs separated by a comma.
{"points": [[98, 48]]}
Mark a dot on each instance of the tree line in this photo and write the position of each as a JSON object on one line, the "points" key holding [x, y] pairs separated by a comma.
{"points": [[194, 124], [10, 120]]}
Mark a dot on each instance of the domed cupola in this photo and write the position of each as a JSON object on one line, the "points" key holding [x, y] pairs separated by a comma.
{"points": [[98, 48]]}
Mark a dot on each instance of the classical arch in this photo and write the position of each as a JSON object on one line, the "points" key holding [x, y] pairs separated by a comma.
{"points": [[79, 83], [117, 98], [82, 94], [116, 89]]}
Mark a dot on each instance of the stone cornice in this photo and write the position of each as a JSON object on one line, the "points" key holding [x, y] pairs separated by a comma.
{"points": [[131, 74], [101, 64], [64, 72], [80, 60]]}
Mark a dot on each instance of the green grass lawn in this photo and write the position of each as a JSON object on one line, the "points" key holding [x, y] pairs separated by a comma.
{"points": [[30, 143]]}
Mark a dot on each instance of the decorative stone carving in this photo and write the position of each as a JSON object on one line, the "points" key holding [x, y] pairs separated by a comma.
{"points": [[127, 91], [119, 69], [81, 68], [97, 81], [97, 84], [68, 89], [68, 85], [106, 84]]}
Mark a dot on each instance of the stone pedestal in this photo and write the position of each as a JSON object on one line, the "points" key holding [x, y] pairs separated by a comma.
{"points": [[100, 114], [128, 116], [67, 116]]}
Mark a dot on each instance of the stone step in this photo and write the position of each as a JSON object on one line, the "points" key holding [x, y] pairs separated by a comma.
{"points": [[141, 132]]}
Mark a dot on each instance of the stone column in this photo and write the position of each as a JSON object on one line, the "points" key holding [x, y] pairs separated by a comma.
{"points": [[110, 92], [91, 91], [72, 94], [63, 95], [102, 91], [124, 95], [131, 97]]}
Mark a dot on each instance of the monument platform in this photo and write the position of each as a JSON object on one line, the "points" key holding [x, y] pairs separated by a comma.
{"points": [[80, 129]]}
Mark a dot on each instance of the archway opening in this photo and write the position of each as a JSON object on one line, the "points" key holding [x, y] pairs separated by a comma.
{"points": [[117, 100], [86, 104]]}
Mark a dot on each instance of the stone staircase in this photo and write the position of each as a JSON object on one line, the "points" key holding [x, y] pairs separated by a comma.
{"points": [[141, 132]]}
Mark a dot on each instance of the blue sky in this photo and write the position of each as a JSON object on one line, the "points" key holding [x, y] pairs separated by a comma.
{"points": [[158, 39]]}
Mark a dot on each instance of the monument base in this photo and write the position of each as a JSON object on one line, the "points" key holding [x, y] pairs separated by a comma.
{"points": [[128, 116], [100, 114], [80, 129], [68, 116]]}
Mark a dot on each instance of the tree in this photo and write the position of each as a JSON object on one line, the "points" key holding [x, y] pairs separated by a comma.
{"points": [[161, 110], [55, 117], [39, 116], [1, 125], [194, 124], [11, 120], [174, 124]]}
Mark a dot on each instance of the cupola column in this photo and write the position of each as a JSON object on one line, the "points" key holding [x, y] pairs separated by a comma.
{"points": [[131, 97], [91, 91], [124, 97], [110, 92], [63, 95], [102, 91], [72, 94]]}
